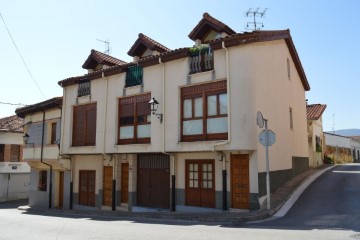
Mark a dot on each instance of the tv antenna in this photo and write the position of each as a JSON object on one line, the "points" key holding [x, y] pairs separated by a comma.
{"points": [[107, 46], [255, 13]]}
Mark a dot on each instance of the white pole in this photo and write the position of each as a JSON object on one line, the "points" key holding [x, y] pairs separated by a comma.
{"points": [[267, 164]]}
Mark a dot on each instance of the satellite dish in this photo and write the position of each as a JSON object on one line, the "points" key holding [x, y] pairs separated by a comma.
{"points": [[259, 119]]}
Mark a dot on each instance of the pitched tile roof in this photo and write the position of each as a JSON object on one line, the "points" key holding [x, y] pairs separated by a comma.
{"points": [[12, 124], [314, 111], [144, 42], [97, 57], [55, 102], [206, 24]]}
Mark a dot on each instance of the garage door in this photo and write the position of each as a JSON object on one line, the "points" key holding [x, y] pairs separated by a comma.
{"points": [[153, 181]]}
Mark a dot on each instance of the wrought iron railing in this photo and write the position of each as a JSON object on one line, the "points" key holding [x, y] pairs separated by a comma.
{"points": [[84, 87], [134, 76], [201, 60]]}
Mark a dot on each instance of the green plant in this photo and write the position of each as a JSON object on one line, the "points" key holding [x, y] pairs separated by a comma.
{"points": [[200, 48], [328, 160], [318, 148]]}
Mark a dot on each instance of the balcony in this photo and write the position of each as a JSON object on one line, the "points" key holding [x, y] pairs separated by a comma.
{"points": [[84, 87], [134, 76], [201, 59], [14, 167]]}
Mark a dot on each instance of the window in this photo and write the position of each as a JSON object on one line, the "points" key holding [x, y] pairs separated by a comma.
{"points": [[291, 118], [42, 186], [53, 133], [134, 76], [15, 153], [204, 112], [84, 125], [288, 68], [134, 120], [84, 87], [2, 148]]}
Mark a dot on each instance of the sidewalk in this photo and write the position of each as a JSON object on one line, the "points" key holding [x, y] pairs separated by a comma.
{"points": [[286, 196]]}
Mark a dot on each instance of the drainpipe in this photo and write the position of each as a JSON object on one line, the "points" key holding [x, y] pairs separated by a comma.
{"points": [[63, 117], [172, 157], [42, 153], [224, 173], [113, 189]]}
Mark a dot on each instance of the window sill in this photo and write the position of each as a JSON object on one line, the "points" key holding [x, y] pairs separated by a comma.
{"points": [[201, 73]]}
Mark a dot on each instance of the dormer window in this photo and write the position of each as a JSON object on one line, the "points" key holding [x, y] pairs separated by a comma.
{"points": [[134, 76], [84, 87]]}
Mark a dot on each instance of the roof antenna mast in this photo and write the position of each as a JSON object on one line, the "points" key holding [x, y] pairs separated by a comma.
{"points": [[107, 46], [255, 13]]}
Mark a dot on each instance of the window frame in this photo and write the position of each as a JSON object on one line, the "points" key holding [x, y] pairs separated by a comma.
{"points": [[203, 91], [84, 140], [134, 100]]}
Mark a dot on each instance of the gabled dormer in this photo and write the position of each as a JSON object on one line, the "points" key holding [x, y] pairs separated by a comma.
{"points": [[98, 60], [209, 29], [145, 46]]}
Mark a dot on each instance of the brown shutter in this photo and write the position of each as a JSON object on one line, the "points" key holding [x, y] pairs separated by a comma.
{"points": [[143, 108], [127, 110], [15, 153], [90, 127], [53, 133], [78, 138]]}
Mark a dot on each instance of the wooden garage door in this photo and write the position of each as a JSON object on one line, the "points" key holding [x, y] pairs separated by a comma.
{"points": [[87, 187], [107, 188], [153, 181], [200, 183], [240, 194]]}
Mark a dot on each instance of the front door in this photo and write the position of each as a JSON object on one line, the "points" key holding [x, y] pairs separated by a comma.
{"points": [[124, 182], [61, 189], [200, 183], [240, 194], [87, 187], [107, 185]]}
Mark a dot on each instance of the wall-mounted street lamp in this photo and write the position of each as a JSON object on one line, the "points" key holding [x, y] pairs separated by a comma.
{"points": [[154, 104], [26, 140]]}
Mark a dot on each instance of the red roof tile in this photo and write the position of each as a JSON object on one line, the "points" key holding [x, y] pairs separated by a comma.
{"points": [[206, 24], [144, 42], [314, 111], [97, 57], [12, 124]]}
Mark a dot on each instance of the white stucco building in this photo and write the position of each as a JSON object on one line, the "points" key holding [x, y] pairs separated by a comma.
{"points": [[200, 147]]}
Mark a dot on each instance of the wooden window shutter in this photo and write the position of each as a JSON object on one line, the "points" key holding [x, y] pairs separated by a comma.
{"points": [[143, 108], [15, 153], [78, 137], [90, 127], [127, 110]]}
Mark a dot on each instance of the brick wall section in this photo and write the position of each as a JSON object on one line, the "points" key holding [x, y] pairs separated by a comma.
{"points": [[7, 152]]}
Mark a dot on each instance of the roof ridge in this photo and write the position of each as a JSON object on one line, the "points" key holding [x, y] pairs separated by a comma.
{"points": [[147, 38]]}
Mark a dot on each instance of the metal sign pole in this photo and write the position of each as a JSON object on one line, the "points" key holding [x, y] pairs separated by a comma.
{"points": [[267, 164]]}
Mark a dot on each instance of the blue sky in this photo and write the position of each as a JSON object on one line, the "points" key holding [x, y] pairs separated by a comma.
{"points": [[55, 38]]}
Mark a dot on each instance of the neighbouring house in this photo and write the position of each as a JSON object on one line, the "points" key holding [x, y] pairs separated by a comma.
{"points": [[339, 148], [315, 133], [14, 173], [355, 146], [50, 175], [176, 129]]}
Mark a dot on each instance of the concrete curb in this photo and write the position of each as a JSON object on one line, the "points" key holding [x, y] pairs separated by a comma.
{"points": [[297, 193]]}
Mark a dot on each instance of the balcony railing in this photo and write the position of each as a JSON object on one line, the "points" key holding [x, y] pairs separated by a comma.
{"points": [[84, 87], [201, 60], [134, 76]]}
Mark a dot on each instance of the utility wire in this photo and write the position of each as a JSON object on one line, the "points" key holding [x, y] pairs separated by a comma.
{"points": [[14, 104], [27, 68]]}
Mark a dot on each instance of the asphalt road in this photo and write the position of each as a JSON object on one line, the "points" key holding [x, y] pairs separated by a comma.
{"points": [[328, 209]]}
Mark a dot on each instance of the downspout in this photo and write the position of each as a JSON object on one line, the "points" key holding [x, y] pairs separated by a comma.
{"points": [[224, 173], [42, 153], [172, 157], [63, 117], [113, 192]]}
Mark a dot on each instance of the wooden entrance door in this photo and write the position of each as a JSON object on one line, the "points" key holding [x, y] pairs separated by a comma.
{"points": [[107, 185], [240, 194], [125, 182], [61, 189], [200, 183], [87, 187], [153, 185]]}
